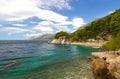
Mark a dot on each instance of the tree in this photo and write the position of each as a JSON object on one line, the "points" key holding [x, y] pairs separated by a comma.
{"points": [[114, 44], [103, 27], [60, 34]]}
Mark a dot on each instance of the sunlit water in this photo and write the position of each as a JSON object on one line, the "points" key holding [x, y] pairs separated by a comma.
{"points": [[39, 60]]}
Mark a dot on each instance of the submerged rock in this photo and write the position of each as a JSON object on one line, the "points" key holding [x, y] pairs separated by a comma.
{"points": [[12, 63]]}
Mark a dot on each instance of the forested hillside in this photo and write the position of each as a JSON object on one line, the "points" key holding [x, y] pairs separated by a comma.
{"points": [[106, 29], [114, 44], [103, 27]]}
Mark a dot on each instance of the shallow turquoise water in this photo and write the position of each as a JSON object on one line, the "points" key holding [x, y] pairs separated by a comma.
{"points": [[39, 60]]}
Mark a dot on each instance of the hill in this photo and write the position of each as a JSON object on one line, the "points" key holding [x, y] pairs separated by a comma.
{"points": [[102, 29], [105, 28], [42, 37]]}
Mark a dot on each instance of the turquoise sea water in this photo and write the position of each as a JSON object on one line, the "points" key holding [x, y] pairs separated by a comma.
{"points": [[39, 60]]}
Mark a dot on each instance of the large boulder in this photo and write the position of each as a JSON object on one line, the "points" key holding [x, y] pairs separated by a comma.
{"points": [[106, 65]]}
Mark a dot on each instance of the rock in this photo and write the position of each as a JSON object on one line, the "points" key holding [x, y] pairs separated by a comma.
{"points": [[105, 65], [58, 41], [55, 41], [99, 69]]}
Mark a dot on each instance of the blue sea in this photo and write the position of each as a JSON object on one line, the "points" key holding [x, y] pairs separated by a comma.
{"points": [[29, 59]]}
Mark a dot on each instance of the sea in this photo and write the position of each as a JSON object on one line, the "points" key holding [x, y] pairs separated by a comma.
{"points": [[36, 59]]}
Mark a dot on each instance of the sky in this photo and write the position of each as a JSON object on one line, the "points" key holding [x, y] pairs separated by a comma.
{"points": [[22, 19]]}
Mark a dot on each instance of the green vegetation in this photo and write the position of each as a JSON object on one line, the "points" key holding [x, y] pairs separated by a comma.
{"points": [[60, 34], [106, 28], [114, 44], [103, 27]]}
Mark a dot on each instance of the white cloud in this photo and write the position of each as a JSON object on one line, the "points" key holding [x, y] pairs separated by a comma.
{"points": [[44, 29], [13, 30], [65, 23], [73, 31], [16, 10], [78, 22], [20, 25], [1, 25], [20, 10], [31, 35], [33, 22], [49, 26], [63, 28], [60, 4], [46, 24], [111, 12]]}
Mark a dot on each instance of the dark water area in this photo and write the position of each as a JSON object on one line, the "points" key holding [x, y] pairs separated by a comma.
{"points": [[38, 60]]}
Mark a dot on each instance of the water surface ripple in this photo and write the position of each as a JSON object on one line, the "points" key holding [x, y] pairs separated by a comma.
{"points": [[38, 60]]}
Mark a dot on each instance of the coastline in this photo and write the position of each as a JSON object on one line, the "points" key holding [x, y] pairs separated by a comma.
{"points": [[93, 44], [104, 65]]}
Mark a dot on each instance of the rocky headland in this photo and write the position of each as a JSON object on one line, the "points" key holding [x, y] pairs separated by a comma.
{"points": [[93, 44]]}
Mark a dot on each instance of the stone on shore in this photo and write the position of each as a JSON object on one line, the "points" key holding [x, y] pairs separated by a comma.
{"points": [[106, 65]]}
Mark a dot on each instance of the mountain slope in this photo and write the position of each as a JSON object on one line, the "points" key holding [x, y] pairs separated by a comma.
{"points": [[43, 37], [105, 27]]}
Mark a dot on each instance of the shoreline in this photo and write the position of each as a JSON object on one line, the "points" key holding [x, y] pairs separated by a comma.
{"points": [[92, 44]]}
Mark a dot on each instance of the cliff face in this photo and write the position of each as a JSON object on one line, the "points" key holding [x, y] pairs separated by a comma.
{"points": [[59, 41], [106, 65]]}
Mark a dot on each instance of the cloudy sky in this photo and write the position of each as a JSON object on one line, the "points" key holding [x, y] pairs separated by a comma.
{"points": [[21, 19]]}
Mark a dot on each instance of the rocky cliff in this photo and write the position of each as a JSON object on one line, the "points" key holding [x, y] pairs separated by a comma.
{"points": [[59, 41], [106, 65]]}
